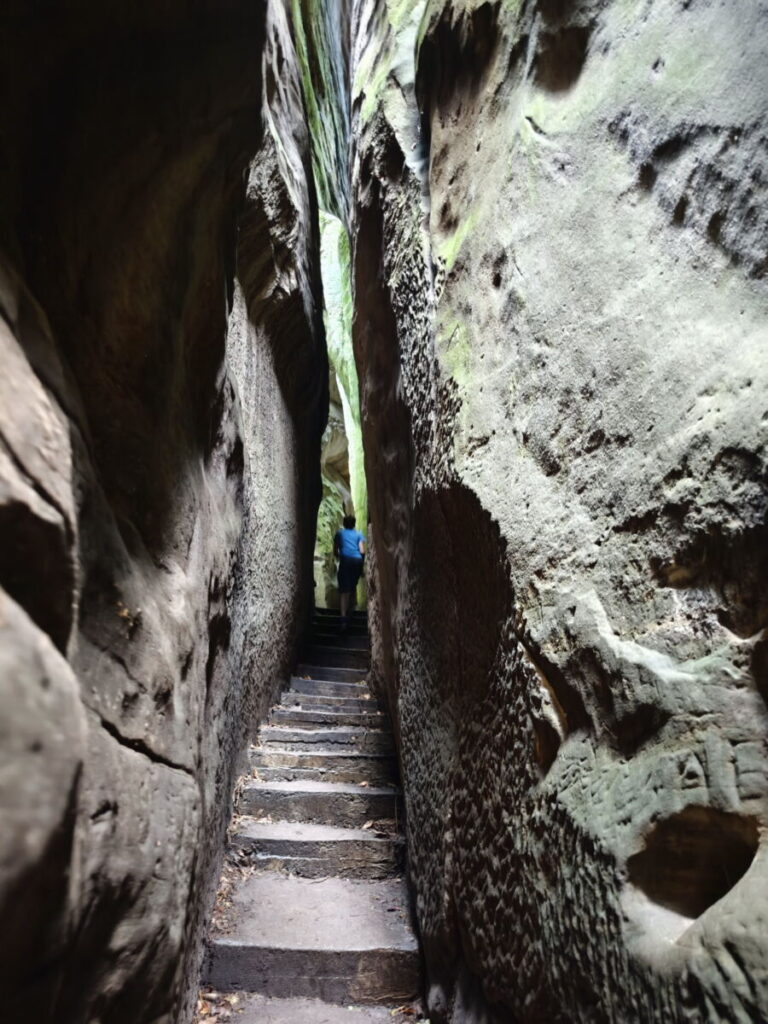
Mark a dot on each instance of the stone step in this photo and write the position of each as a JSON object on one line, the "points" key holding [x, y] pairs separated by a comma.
{"points": [[352, 636], [336, 657], [303, 718], [356, 615], [347, 641], [330, 766], [339, 940], [320, 702], [330, 673], [326, 624], [318, 851], [361, 741], [328, 687], [258, 1009], [324, 803]]}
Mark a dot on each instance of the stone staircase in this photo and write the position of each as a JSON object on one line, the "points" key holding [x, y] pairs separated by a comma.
{"points": [[318, 927]]}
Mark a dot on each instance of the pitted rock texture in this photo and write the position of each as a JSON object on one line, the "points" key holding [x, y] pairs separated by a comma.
{"points": [[560, 306], [162, 399]]}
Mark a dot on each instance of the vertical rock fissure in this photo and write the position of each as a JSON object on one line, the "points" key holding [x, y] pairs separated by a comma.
{"points": [[322, 32], [342, 465]]}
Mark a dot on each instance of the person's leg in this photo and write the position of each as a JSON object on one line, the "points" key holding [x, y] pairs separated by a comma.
{"points": [[341, 579], [353, 593]]}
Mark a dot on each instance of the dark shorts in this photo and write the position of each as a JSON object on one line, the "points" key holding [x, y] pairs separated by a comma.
{"points": [[349, 573]]}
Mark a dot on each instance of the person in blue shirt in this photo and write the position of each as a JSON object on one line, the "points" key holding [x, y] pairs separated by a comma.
{"points": [[349, 548]]}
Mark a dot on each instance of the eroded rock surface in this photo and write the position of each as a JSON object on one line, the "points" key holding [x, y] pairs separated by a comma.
{"points": [[559, 267], [161, 403]]}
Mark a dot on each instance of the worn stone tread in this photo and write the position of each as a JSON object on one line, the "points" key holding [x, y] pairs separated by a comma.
{"points": [[373, 775], [323, 702], [300, 831], [334, 915], [343, 641], [328, 765], [328, 716], [337, 657], [326, 625], [315, 851], [337, 939], [349, 737], [332, 803], [358, 614], [356, 768], [353, 636], [320, 786], [258, 1009], [317, 755], [328, 687], [331, 673]]}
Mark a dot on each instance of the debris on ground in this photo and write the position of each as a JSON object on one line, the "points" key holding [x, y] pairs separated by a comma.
{"points": [[218, 1007]]}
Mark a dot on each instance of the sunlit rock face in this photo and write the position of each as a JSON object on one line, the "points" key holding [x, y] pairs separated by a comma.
{"points": [[559, 257], [341, 461], [161, 402], [336, 501]]}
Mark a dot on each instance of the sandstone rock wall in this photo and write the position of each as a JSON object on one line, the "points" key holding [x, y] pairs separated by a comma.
{"points": [[162, 397], [336, 501], [560, 325]]}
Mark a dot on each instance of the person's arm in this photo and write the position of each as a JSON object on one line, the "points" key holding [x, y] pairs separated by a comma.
{"points": [[336, 547], [361, 545]]}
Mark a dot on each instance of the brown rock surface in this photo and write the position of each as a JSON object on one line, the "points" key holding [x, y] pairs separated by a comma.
{"points": [[158, 476], [559, 255]]}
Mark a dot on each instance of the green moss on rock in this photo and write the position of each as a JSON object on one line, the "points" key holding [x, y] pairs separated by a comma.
{"points": [[337, 289]]}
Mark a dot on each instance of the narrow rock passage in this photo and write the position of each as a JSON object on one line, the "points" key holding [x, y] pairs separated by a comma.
{"points": [[321, 920]]}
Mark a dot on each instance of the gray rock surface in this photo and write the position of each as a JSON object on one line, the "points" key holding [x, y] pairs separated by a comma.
{"points": [[161, 404], [559, 263]]}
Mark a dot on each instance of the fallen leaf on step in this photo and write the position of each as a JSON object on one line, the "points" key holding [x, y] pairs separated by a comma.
{"points": [[368, 824]]}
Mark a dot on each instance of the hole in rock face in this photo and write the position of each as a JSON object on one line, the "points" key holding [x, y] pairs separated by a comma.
{"points": [[678, 215], [455, 56], [36, 567], [693, 858], [760, 666], [546, 744], [561, 57], [647, 177]]}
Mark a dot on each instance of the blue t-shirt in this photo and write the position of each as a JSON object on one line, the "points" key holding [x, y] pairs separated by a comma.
{"points": [[348, 541]]}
